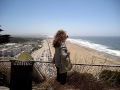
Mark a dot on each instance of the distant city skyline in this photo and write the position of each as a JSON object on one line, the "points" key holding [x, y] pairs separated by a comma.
{"points": [[45, 17]]}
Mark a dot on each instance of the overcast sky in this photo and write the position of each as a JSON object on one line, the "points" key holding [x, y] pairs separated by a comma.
{"points": [[76, 17]]}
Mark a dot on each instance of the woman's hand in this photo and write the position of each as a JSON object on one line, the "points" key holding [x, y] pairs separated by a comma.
{"points": [[68, 53], [54, 66]]}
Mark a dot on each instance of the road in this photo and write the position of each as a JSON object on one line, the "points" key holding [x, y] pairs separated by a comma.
{"points": [[43, 54]]}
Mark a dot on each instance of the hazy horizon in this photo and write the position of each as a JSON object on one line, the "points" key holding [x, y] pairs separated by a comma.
{"points": [[40, 35]]}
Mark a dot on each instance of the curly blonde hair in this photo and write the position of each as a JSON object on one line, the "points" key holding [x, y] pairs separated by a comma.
{"points": [[59, 37]]}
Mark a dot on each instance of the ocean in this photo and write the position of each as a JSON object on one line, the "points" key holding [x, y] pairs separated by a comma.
{"points": [[109, 45]]}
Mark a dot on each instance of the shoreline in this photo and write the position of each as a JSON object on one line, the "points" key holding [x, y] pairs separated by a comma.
{"points": [[85, 55], [110, 50], [107, 54]]}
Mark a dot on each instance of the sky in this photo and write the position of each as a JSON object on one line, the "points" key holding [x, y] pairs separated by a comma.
{"points": [[46, 17]]}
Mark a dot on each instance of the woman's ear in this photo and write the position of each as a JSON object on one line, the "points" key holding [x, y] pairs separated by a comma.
{"points": [[67, 36]]}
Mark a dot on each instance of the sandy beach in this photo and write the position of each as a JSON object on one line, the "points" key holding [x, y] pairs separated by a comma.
{"points": [[84, 55]]}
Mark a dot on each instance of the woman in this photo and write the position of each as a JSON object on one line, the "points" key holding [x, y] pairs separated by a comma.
{"points": [[61, 52]]}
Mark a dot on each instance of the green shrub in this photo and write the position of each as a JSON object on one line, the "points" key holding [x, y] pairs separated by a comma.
{"points": [[4, 77]]}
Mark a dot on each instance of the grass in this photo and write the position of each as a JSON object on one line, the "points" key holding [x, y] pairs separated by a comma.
{"points": [[111, 77], [78, 81], [83, 81], [24, 56]]}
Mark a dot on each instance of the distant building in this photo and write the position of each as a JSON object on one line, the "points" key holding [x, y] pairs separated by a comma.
{"points": [[28, 48], [3, 52], [12, 49], [10, 53]]}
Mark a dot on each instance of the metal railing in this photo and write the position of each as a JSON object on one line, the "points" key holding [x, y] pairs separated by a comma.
{"points": [[81, 77]]}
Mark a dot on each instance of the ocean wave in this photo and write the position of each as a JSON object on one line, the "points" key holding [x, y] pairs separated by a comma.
{"points": [[98, 47]]}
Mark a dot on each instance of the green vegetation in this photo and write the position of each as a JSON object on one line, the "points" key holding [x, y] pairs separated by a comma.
{"points": [[16, 39], [4, 38], [35, 48], [24, 56], [4, 77]]}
